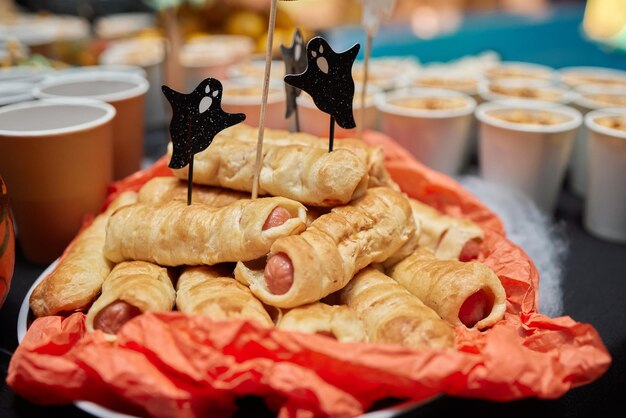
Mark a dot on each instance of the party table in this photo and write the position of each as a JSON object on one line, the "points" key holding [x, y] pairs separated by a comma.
{"points": [[594, 290]]}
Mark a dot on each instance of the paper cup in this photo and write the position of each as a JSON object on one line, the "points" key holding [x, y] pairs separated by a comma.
{"points": [[244, 95], [529, 157], [126, 93], [316, 122], [579, 76], [15, 92], [524, 89], [255, 69], [212, 56], [515, 69], [605, 206], [590, 97], [56, 157], [380, 74], [147, 55], [438, 137]]}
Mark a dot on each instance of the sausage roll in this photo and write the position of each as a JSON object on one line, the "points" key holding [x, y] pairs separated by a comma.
{"points": [[204, 291], [392, 315], [77, 278], [468, 294], [309, 175], [450, 238], [165, 189], [132, 288], [174, 234], [338, 322], [373, 156], [307, 267]]}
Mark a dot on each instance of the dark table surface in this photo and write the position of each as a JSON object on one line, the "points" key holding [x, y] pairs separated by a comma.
{"points": [[594, 291]]}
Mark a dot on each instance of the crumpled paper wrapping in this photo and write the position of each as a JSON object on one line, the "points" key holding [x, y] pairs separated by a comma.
{"points": [[178, 365]]}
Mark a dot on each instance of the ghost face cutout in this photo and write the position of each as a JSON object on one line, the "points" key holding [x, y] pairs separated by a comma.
{"points": [[207, 101]]}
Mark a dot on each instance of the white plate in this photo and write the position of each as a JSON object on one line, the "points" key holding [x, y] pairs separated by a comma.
{"points": [[96, 410]]}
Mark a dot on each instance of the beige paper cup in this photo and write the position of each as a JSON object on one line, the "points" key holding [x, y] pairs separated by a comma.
{"points": [[579, 76], [525, 89], [316, 122], [212, 56], [605, 206], [516, 69], [146, 55], [56, 158], [437, 137], [590, 97], [244, 95], [531, 158], [126, 93]]}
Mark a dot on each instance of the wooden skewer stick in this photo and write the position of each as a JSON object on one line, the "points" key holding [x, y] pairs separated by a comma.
{"points": [[366, 71], [266, 86]]}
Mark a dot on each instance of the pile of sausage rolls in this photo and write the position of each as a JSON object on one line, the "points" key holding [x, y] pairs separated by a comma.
{"points": [[333, 247]]}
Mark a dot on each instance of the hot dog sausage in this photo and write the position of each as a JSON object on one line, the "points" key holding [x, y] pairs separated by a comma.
{"points": [[111, 318], [475, 308], [277, 217], [279, 274]]}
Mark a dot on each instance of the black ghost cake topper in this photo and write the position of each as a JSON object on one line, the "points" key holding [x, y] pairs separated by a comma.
{"points": [[295, 63], [196, 118], [328, 79]]}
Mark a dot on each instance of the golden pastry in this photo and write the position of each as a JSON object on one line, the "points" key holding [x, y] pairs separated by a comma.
{"points": [[174, 234], [132, 288], [373, 157], [77, 278], [448, 237], [338, 322], [468, 294], [392, 315], [165, 189], [204, 291], [312, 176], [307, 267]]}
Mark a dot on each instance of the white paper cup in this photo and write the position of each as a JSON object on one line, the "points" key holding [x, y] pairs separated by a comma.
{"points": [[437, 137], [15, 92], [605, 206], [316, 122], [126, 93], [579, 76], [380, 74], [149, 55], [528, 157], [590, 97], [515, 69], [244, 95], [524, 89]]}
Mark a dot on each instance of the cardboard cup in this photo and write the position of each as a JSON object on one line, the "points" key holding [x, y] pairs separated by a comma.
{"points": [[517, 69], [590, 97], [243, 95], [437, 137], [605, 206], [212, 56], [531, 158], [126, 93], [524, 89], [316, 122], [148, 56], [56, 158], [579, 76]]}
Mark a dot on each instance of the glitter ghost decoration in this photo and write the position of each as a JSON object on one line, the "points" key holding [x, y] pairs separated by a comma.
{"points": [[295, 63], [196, 118], [328, 79]]}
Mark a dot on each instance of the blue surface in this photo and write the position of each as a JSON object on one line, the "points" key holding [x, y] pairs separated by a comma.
{"points": [[556, 40]]}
